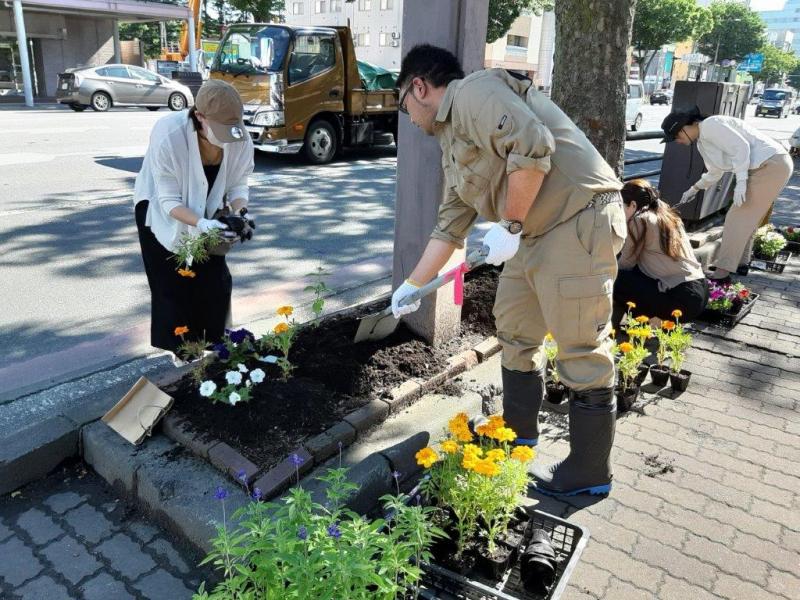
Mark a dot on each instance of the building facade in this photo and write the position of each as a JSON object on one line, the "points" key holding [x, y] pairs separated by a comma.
{"points": [[782, 21], [376, 25], [527, 48]]}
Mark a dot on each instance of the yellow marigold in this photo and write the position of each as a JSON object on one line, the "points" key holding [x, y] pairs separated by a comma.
{"points": [[281, 328], [640, 332], [677, 313], [496, 454], [473, 450], [285, 311], [426, 457], [181, 330], [486, 467], [469, 461], [462, 434], [484, 429], [458, 421], [642, 319], [505, 434], [450, 446], [631, 304], [549, 337], [668, 325], [497, 421], [523, 453], [187, 273], [625, 347]]}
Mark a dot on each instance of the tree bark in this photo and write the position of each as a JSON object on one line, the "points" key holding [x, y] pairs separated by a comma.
{"points": [[591, 70]]}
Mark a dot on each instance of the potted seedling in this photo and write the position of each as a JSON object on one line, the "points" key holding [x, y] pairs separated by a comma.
{"points": [[555, 389], [792, 235], [659, 372], [679, 343], [639, 331], [631, 358]]}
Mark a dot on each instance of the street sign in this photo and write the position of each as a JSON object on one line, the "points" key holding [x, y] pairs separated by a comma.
{"points": [[695, 58], [752, 63]]}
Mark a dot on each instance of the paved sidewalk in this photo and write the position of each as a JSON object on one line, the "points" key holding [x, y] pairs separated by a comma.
{"points": [[69, 537]]}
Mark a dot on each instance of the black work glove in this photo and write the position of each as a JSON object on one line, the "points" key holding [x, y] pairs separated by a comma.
{"points": [[241, 225]]}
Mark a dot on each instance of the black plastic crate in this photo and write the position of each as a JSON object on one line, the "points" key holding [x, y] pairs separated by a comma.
{"points": [[793, 247], [727, 320], [568, 540], [774, 266]]}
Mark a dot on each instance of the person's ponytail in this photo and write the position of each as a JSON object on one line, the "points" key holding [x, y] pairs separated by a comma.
{"points": [[670, 225]]}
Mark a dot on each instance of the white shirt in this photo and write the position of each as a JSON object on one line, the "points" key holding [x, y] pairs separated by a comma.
{"points": [[729, 145], [172, 175]]}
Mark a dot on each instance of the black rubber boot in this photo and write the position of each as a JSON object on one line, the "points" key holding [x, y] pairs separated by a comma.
{"points": [[522, 399], [587, 469]]}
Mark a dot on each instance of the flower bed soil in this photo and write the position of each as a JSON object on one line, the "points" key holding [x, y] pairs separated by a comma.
{"points": [[333, 376]]}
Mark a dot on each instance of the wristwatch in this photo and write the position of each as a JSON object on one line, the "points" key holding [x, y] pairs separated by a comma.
{"points": [[513, 227]]}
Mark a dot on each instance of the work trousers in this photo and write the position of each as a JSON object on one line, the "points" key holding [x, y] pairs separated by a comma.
{"points": [[764, 184], [562, 282], [690, 297]]}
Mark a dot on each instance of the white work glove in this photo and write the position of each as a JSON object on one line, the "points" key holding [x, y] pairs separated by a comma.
{"points": [[502, 245], [205, 225], [401, 293], [739, 193], [688, 195]]}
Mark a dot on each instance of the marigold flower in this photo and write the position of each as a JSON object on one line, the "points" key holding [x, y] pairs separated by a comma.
{"points": [[469, 461], [497, 421], [631, 304], [642, 319], [459, 427], [625, 347], [496, 454], [668, 325], [281, 328], [523, 453], [426, 457], [181, 330], [677, 313], [549, 337], [187, 273], [486, 467], [450, 446], [484, 429], [505, 434], [462, 434], [473, 450], [285, 311]]}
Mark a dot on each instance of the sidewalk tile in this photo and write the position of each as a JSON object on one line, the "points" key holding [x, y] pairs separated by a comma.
{"points": [[784, 583], [40, 527], [125, 556], [105, 587], [43, 588], [163, 585], [89, 523], [18, 563], [653, 552], [62, 502], [727, 560], [733, 588], [70, 559], [676, 589]]}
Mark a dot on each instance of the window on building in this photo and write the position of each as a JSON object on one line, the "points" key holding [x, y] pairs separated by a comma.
{"points": [[362, 39], [336, 6], [387, 4], [320, 6], [383, 39], [312, 55], [297, 8], [364, 4], [517, 40]]}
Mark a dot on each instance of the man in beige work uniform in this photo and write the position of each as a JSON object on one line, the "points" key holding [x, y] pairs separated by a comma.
{"points": [[511, 156]]}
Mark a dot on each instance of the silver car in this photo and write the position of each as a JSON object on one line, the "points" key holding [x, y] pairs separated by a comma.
{"points": [[120, 85]]}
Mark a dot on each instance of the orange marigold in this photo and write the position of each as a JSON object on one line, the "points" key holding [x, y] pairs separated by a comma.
{"points": [[187, 273], [642, 319], [281, 328], [181, 330], [677, 313], [523, 453], [631, 304], [426, 457], [486, 467], [668, 325], [625, 347], [285, 311]]}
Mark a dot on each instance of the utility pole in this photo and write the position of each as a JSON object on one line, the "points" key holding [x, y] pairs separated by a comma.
{"points": [[24, 61]]}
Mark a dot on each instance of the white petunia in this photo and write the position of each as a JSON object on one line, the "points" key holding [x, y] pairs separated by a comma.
{"points": [[234, 398], [233, 377], [269, 359], [242, 368], [248, 383], [257, 375], [207, 389]]}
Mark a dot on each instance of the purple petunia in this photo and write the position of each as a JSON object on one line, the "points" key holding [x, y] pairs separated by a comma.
{"points": [[302, 533], [240, 335], [257, 494], [221, 493], [396, 474], [242, 475], [296, 459], [334, 531], [222, 351]]}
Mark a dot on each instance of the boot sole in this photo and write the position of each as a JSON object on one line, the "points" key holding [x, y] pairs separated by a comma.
{"points": [[527, 442], [595, 490]]}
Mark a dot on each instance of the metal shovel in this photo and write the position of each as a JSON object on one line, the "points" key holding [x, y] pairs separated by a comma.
{"points": [[382, 324]]}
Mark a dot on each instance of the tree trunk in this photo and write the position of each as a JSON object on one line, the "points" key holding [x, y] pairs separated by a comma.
{"points": [[591, 70]]}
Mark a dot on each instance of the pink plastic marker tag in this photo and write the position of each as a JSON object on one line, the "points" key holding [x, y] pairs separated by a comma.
{"points": [[456, 275]]}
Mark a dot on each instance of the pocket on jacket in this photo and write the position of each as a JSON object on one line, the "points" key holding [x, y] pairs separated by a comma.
{"points": [[584, 307]]}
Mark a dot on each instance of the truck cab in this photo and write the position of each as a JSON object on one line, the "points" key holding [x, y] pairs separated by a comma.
{"points": [[302, 90], [775, 101]]}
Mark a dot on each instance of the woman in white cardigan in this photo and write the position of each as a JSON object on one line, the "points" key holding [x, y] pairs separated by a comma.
{"points": [[197, 160], [762, 167]]}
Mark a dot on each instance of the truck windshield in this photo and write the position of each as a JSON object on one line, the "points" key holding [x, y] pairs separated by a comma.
{"points": [[254, 49], [774, 95]]}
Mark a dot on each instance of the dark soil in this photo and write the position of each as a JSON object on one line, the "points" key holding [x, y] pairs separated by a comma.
{"points": [[332, 377], [658, 466]]}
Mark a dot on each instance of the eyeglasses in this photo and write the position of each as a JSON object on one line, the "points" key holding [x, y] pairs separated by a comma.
{"points": [[401, 105]]}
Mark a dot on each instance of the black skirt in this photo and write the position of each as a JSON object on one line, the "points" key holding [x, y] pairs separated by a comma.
{"points": [[200, 303]]}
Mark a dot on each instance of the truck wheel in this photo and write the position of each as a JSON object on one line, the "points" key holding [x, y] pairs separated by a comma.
{"points": [[320, 145], [637, 124], [101, 101], [78, 107]]}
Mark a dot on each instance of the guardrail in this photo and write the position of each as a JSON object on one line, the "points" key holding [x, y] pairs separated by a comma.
{"points": [[635, 136]]}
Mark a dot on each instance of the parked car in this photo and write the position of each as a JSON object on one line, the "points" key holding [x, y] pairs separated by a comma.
{"points": [[633, 105], [661, 97], [120, 85], [756, 98], [778, 102]]}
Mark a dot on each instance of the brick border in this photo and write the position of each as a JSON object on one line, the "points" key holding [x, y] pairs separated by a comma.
{"points": [[321, 447]]}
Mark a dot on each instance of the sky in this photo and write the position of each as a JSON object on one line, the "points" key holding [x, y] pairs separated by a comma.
{"points": [[759, 5]]}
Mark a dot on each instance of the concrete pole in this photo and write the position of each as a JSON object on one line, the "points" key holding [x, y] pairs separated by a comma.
{"points": [[117, 46], [24, 60], [459, 26], [192, 44]]}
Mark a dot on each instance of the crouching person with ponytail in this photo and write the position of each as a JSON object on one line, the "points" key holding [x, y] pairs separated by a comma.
{"points": [[658, 270]]}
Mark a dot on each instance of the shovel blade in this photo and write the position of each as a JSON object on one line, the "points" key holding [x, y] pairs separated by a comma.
{"points": [[376, 327]]}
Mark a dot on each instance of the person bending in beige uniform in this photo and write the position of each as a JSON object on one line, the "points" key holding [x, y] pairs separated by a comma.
{"points": [[762, 167], [511, 156]]}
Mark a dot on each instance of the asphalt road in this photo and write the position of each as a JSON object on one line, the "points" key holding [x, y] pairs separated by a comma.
{"points": [[69, 256]]}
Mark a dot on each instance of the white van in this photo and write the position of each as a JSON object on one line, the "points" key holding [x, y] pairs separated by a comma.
{"points": [[633, 106]]}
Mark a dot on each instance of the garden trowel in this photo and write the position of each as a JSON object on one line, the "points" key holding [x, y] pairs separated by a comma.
{"points": [[382, 324]]}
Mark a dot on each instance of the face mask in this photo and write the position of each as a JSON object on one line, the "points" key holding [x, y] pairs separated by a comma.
{"points": [[213, 139]]}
